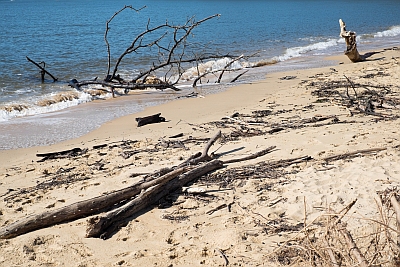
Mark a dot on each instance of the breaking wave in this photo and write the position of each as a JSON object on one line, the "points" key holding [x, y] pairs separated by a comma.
{"points": [[391, 32], [211, 66], [299, 51], [51, 103]]}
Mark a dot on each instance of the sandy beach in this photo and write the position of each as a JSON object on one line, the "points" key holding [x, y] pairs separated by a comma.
{"points": [[335, 130]]}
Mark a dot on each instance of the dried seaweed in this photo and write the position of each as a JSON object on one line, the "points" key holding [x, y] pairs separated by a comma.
{"points": [[362, 98], [263, 170], [59, 179], [261, 113], [176, 218]]}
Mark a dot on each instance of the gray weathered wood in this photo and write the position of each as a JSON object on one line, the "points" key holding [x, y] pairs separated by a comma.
{"points": [[351, 44], [104, 226], [80, 209]]}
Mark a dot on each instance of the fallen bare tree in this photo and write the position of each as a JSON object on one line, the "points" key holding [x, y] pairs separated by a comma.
{"points": [[174, 56]]}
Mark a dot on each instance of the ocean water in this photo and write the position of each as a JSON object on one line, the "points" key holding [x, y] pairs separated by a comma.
{"points": [[68, 35]]}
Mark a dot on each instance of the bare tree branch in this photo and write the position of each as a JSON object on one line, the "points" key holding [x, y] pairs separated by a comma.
{"points": [[106, 34]]}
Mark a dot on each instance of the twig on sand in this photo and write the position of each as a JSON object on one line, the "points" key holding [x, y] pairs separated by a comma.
{"points": [[223, 256]]}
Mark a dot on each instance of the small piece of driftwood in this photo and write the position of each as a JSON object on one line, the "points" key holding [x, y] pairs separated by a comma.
{"points": [[149, 119], [177, 135], [61, 154], [223, 256]]}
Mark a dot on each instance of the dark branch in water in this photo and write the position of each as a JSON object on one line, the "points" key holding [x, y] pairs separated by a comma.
{"points": [[43, 71]]}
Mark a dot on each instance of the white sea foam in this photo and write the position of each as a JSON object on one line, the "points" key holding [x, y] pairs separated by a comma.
{"points": [[391, 32], [210, 66], [318, 47], [23, 91], [300, 50], [21, 110]]}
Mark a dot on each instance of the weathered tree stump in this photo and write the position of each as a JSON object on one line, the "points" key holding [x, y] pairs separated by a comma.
{"points": [[350, 38]]}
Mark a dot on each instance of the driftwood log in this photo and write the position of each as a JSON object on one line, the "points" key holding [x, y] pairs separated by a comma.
{"points": [[351, 44], [104, 226], [79, 209]]}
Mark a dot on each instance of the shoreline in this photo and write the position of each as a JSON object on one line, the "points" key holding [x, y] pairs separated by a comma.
{"points": [[76, 121], [153, 109], [150, 238]]}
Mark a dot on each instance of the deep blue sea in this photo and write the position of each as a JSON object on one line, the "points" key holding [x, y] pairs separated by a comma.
{"points": [[68, 35]]}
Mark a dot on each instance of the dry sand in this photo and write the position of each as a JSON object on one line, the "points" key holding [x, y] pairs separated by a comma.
{"points": [[265, 207]]}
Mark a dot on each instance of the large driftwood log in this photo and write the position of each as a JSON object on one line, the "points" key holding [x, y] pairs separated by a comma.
{"points": [[92, 206], [350, 38], [104, 226], [80, 209]]}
